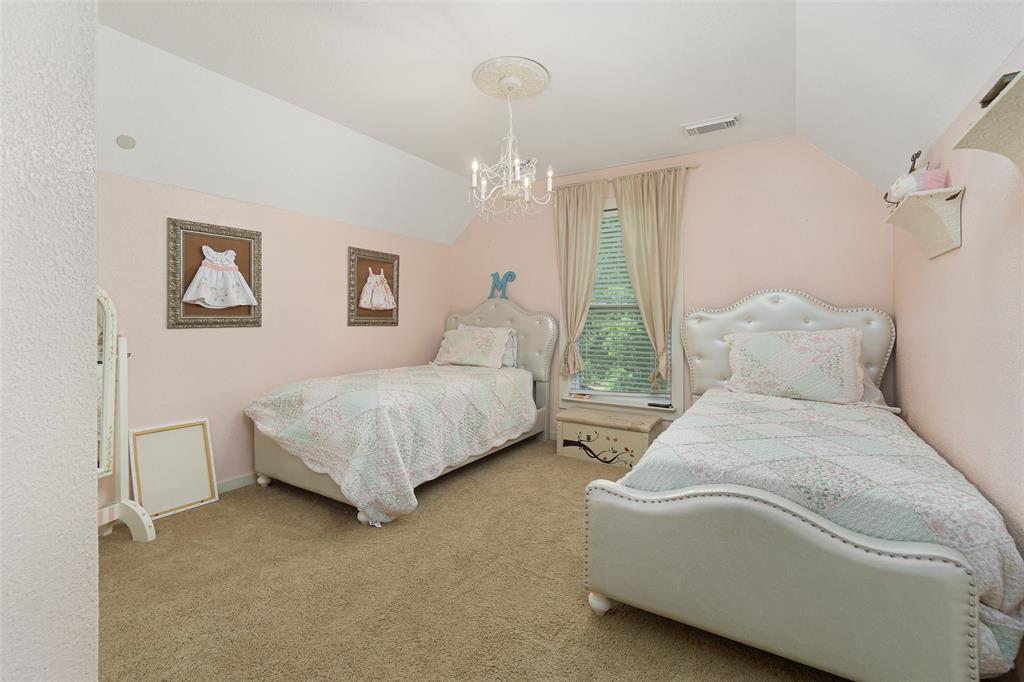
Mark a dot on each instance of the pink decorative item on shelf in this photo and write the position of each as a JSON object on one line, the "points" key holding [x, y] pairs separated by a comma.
{"points": [[917, 181], [929, 179]]}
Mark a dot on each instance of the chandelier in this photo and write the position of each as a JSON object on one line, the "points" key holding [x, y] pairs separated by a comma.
{"points": [[508, 187]]}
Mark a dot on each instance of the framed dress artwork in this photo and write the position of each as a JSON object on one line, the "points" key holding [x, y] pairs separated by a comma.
{"points": [[372, 288], [213, 276]]}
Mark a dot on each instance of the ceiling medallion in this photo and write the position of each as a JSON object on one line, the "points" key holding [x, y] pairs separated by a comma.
{"points": [[507, 187]]}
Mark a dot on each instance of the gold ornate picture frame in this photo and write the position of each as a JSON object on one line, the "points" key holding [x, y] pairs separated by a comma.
{"points": [[185, 240], [360, 262]]}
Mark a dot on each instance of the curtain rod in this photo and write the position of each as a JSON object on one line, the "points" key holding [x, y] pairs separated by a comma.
{"points": [[586, 182], [654, 170]]}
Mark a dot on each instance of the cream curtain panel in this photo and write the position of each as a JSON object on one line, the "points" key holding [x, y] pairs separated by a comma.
{"points": [[651, 215], [578, 210]]}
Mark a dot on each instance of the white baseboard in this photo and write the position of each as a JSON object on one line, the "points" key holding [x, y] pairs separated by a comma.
{"points": [[235, 483]]}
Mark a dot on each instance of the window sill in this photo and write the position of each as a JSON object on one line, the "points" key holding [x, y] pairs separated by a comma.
{"points": [[623, 401]]}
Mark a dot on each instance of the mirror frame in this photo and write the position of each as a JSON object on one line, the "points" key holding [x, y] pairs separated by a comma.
{"points": [[107, 372]]}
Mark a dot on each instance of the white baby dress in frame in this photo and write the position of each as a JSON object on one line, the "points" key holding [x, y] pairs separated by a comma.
{"points": [[218, 283], [376, 294]]}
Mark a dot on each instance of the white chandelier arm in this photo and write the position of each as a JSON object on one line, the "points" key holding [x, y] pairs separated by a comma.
{"points": [[542, 200], [481, 196]]}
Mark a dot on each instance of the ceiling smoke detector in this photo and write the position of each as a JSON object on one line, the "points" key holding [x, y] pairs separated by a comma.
{"points": [[710, 125]]}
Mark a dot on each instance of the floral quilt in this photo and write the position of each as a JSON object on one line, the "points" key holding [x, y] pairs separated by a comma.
{"points": [[860, 467], [379, 434]]}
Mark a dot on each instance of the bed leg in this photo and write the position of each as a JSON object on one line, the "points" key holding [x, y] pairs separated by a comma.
{"points": [[262, 481], [599, 603]]}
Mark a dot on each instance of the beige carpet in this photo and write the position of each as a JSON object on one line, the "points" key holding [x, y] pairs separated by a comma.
{"points": [[482, 582]]}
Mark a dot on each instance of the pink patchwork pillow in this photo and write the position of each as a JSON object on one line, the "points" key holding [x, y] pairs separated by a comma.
{"points": [[476, 346], [822, 366]]}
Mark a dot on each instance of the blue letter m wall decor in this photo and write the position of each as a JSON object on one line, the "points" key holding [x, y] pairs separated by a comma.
{"points": [[498, 283]]}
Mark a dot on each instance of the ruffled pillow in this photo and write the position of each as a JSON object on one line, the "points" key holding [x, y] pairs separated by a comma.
{"points": [[511, 356], [476, 346], [823, 365]]}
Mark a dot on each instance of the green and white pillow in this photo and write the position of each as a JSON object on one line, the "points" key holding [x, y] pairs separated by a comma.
{"points": [[823, 366], [476, 346]]}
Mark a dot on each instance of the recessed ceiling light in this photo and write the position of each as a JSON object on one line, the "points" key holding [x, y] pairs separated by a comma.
{"points": [[125, 141]]}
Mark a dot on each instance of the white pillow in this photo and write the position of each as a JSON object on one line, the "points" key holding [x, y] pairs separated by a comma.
{"points": [[511, 356], [874, 398], [823, 365], [479, 347]]}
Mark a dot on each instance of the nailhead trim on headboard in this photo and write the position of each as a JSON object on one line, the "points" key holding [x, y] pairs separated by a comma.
{"points": [[811, 299], [502, 311]]}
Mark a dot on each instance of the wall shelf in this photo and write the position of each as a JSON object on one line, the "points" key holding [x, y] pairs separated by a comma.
{"points": [[932, 217], [1000, 128]]}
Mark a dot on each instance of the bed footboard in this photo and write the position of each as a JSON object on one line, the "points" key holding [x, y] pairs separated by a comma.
{"points": [[756, 568]]}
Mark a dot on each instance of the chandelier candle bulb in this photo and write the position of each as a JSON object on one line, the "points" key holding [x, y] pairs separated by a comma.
{"points": [[517, 169], [476, 167], [551, 175]]}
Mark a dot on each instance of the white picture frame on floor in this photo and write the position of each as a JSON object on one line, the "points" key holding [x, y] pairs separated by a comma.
{"points": [[172, 467]]}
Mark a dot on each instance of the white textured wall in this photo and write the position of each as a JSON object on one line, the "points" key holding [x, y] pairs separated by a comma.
{"points": [[48, 562]]}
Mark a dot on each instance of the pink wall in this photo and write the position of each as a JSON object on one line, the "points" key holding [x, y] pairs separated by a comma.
{"points": [[774, 213], [960, 369], [180, 374]]}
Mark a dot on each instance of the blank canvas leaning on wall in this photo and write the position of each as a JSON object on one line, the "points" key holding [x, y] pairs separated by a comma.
{"points": [[172, 467]]}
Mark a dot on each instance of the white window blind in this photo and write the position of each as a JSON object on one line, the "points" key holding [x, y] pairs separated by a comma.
{"points": [[617, 355]]}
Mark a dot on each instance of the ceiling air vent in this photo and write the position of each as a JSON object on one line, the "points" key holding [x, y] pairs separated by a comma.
{"points": [[711, 125]]}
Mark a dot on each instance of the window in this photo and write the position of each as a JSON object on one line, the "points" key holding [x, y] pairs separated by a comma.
{"points": [[617, 355]]}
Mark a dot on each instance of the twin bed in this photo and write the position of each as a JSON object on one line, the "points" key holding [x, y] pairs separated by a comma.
{"points": [[829, 534], [368, 439], [826, 533]]}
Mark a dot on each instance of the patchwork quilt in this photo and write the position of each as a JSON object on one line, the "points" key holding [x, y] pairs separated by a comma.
{"points": [[379, 434], [860, 467]]}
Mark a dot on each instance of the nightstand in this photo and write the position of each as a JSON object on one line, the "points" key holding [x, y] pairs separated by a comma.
{"points": [[605, 437]]}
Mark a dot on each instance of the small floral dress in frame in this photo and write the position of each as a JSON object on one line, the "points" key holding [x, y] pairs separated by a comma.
{"points": [[376, 294], [218, 283]]}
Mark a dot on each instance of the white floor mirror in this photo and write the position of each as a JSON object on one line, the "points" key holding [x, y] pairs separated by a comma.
{"points": [[112, 424]]}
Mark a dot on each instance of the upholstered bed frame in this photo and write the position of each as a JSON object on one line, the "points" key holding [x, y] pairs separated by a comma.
{"points": [[537, 334], [754, 567]]}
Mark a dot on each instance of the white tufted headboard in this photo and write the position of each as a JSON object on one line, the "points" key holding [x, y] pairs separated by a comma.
{"points": [[773, 310], [536, 332]]}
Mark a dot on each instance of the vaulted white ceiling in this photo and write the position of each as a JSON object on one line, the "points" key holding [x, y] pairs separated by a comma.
{"points": [[868, 82], [876, 81]]}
